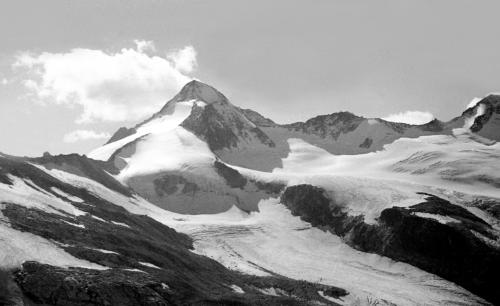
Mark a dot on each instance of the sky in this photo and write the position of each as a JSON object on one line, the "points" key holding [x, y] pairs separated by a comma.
{"points": [[72, 72]]}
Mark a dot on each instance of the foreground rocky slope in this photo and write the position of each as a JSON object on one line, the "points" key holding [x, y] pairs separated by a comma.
{"points": [[68, 245]]}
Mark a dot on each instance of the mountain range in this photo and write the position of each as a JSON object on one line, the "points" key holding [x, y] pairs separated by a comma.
{"points": [[207, 203]]}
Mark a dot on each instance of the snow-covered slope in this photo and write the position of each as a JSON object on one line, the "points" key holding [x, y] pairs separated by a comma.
{"points": [[171, 159], [172, 117]]}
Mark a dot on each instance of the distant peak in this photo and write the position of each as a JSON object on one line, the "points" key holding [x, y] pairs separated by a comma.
{"points": [[493, 98], [196, 90]]}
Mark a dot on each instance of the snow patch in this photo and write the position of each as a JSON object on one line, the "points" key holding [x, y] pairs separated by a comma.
{"points": [[440, 218], [165, 286], [18, 247], [147, 264], [99, 219], [237, 289], [272, 291], [135, 270], [104, 251], [67, 196], [120, 224], [74, 224]]}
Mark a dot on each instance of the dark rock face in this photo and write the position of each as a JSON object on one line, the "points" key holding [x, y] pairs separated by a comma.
{"points": [[489, 206], [317, 211], [328, 125], [272, 188], [121, 133], [86, 167], [433, 126], [367, 143], [4, 179], [398, 127], [10, 294], [171, 184], [257, 118], [75, 286], [453, 250], [482, 119], [233, 178], [222, 130], [491, 104]]}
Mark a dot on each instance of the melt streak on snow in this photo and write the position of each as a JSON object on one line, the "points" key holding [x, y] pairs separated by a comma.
{"points": [[26, 193]]}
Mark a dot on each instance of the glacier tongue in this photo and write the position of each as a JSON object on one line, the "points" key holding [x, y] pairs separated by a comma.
{"points": [[273, 240]]}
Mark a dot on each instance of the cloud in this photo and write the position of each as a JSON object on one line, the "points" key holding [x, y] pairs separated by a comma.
{"points": [[79, 135], [145, 46], [5, 81], [184, 59], [125, 85], [410, 117]]}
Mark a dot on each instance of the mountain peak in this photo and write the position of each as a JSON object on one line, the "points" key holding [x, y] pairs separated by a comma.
{"points": [[196, 90]]}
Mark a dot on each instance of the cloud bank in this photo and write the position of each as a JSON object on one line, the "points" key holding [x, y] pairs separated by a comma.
{"points": [[410, 117], [125, 85], [79, 135], [184, 59]]}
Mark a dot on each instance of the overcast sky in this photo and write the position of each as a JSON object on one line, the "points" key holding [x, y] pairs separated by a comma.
{"points": [[72, 72]]}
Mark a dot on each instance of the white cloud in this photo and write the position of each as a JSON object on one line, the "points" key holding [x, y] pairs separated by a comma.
{"points": [[5, 81], [410, 117], [145, 46], [125, 85], [184, 59], [84, 135]]}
